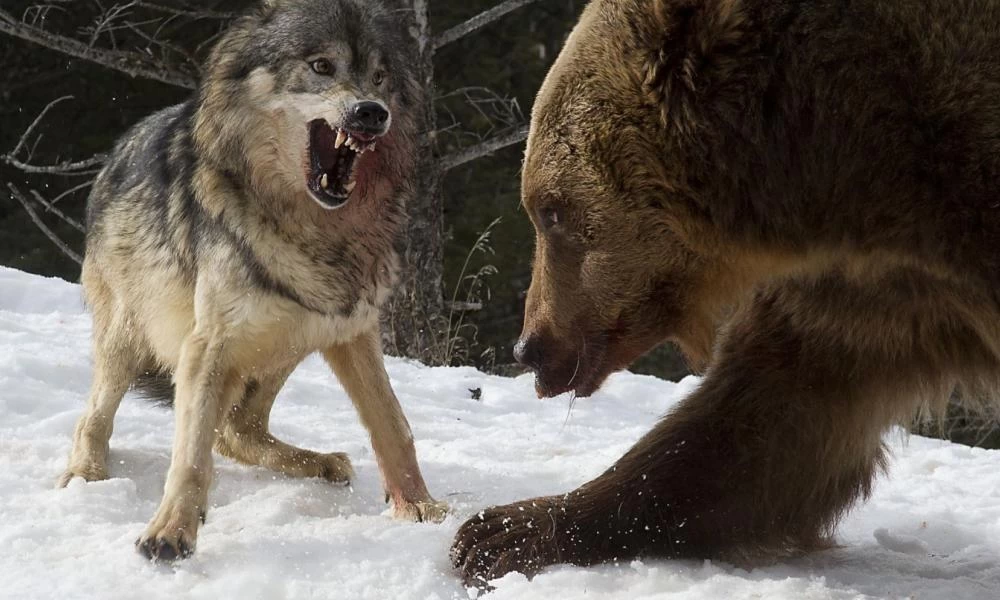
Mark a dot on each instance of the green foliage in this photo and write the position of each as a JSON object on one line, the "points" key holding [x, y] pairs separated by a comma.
{"points": [[469, 294], [510, 57]]}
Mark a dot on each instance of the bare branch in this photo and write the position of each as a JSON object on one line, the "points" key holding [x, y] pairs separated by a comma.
{"points": [[163, 45], [482, 19], [67, 168], [72, 190], [499, 112], [40, 12], [105, 23], [52, 209], [192, 13], [463, 306], [132, 63], [491, 145], [38, 119], [16, 193]]}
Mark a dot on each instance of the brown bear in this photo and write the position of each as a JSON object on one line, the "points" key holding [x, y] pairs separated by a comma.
{"points": [[805, 197]]}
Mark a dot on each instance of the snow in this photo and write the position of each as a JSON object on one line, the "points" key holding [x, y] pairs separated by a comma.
{"points": [[932, 529]]}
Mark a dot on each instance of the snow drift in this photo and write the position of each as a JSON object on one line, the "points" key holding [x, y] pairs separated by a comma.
{"points": [[932, 529]]}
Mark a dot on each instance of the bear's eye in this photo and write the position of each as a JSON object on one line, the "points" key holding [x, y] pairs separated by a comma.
{"points": [[378, 77], [549, 217], [322, 66]]}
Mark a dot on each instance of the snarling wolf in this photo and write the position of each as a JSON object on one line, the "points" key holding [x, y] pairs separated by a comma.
{"points": [[230, 236]]}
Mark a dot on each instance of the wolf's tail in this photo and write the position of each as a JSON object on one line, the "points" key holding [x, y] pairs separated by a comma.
{"points": [[156, 386]]}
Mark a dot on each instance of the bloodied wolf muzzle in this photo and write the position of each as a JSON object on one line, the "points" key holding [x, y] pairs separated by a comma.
{"points": [[234, 234]]}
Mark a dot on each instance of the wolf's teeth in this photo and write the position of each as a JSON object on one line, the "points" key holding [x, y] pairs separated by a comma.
{"points": [[371, 146], [350, 186], [324, 182], [341, 137]]}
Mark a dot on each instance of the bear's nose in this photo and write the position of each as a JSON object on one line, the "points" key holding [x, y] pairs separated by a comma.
{"points": [[370, 115], [528, 352]]}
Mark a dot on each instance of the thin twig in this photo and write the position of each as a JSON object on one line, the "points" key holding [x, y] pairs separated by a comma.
{"points": [[134, 64], [491, 145], [157, 42], [16, 193], [104, 23], [67, 168], [75, 188], [52, 209], [463, 306], [194, 14], [40, 12], [497, 111], [482, 19], [38, 119]]}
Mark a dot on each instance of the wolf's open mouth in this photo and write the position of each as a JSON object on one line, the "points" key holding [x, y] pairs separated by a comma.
{"points": [[332, 158]]}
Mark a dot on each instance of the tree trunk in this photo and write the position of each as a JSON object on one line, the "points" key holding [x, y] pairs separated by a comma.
{"points": [[413, 321]]}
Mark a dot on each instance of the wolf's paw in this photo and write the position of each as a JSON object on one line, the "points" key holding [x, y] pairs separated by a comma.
{"points": [[429, 510], [171, 534], [91, 471], [335, 467]]}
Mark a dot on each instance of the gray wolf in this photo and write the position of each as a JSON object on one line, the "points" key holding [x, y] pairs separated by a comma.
{"points": [[230, 236], [805, 196]]}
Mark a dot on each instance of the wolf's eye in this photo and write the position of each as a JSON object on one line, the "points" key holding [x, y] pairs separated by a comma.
{"points": [[322, 66], [378, 77]]}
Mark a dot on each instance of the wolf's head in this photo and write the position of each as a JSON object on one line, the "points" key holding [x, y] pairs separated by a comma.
{"points": [[311, 94]]}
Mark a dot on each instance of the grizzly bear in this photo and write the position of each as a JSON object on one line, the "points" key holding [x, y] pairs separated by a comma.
{"points": [[805, 197]]}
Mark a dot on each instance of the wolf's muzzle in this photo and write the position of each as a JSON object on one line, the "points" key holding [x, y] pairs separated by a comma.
{"points": [[368, 117]]}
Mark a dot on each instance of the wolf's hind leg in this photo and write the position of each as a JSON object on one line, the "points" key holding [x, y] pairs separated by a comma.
{"points": [[244, 437], [116, 365], [113, 374]]}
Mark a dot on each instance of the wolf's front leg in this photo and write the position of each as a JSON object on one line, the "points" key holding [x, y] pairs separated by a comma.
{"points": [[206, 387], [359, 367]]}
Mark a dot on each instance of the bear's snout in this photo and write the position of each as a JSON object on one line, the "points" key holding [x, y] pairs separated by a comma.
{"points": [[528, 352]]}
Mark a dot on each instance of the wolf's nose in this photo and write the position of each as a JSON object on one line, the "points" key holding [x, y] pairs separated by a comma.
{"points": [[370, 115]]}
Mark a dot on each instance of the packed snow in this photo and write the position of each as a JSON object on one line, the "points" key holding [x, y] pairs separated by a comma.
{"points": [[932, 529]]}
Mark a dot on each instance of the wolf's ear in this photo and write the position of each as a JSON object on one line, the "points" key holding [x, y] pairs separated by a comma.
{"points": [[693, 46], [266, 9], [268, 6]]}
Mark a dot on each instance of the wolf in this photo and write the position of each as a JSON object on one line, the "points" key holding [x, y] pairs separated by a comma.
{"points": [[232, 235]]}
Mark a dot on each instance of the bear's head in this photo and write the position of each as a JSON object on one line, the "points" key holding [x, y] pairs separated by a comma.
{"points": [[626, 256]]}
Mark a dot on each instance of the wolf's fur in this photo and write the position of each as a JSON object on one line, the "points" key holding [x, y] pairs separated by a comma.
{"points": [[806, 197], [208, 258]]}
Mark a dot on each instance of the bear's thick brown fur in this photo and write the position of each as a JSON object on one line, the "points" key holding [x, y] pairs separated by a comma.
{"points": [[805, 196]]}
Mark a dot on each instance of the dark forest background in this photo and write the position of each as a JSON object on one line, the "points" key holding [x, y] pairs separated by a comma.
{"points": [[484, 84]]}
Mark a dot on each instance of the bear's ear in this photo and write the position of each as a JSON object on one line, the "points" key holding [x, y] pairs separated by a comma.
{"points": [[693, 46]]}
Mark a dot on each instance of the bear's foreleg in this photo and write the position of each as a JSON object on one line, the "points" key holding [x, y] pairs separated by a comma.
{"points": [[783, 435]]}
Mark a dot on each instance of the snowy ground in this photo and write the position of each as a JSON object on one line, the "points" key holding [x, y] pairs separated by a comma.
{"points": [[931, 531]]}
